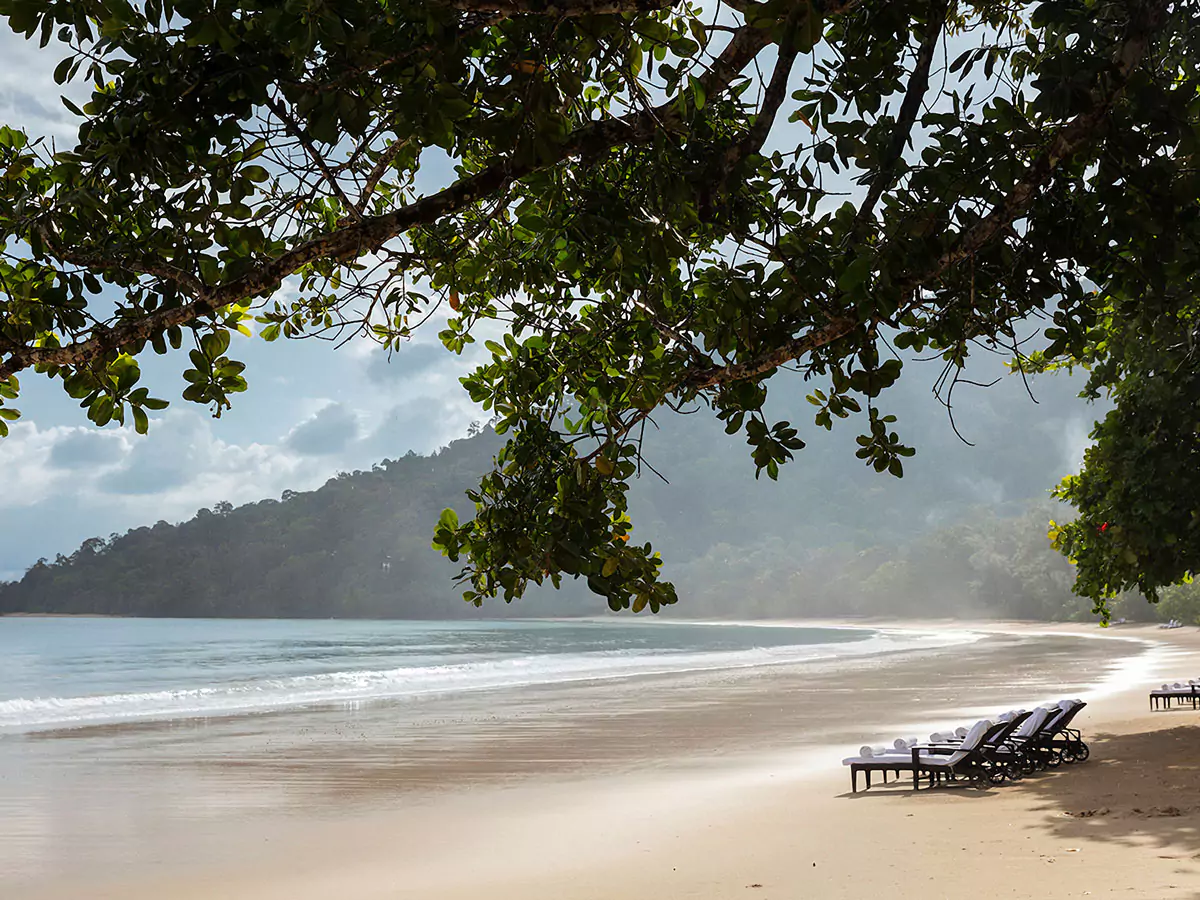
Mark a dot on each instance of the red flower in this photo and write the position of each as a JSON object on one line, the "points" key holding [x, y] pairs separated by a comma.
{"points": [[1104, 528]]}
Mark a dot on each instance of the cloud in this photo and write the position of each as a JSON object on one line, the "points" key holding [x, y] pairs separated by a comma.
{"points": [[409, 360], [24, 457], [422, 425], [24, 105], [29, 98], [330, 431], [165, 462], [86, 447], [405, 427]]}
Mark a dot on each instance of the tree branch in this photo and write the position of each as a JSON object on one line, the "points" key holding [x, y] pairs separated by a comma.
{"points": [[294, 129], [385, 159], [372, 232], [775, 91], [164, 271], [918, 84], [1145, 17]]}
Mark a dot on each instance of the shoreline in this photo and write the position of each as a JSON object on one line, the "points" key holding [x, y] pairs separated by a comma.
{"points": [[784, 821]]}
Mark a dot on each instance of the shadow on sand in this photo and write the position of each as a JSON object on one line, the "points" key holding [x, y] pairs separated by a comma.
{"points": [[1137, 789]]}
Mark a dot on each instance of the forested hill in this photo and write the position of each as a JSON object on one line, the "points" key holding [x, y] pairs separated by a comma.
{"points": [[358, 546], [962, 532]]}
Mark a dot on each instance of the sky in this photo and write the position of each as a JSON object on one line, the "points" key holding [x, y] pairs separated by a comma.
{"points": [[311, 410]]}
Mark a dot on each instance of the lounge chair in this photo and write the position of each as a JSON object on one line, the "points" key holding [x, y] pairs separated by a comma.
{"points": [[974, 757], [1177, 693], [1017, 747], [935, 760], [1056, 742]]}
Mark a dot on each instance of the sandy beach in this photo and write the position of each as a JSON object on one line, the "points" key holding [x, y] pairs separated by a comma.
{"points": [[782, 825]]}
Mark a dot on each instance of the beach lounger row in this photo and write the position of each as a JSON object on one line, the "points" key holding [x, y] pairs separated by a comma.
{"points": [[1017, 743], [1176, 694]]}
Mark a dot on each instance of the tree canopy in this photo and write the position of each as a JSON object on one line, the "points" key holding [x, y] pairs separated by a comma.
{"points": [[645, 206]]}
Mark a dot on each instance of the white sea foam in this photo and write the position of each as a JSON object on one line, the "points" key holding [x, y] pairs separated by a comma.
{"points": [[27, 714]]}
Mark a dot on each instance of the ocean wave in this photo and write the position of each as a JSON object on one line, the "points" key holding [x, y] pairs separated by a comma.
{"points": [[357, 686]]}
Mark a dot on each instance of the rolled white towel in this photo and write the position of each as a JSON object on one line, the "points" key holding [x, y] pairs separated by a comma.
{"points": [[903, 743], [868, 751], [961, 731]]}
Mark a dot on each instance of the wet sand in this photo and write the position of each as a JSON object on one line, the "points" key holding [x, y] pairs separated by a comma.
{"points": [[713, 787]]}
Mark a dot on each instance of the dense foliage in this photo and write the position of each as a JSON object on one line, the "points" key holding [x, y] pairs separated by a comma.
{"points": [[1138, 496], [628, 213]]}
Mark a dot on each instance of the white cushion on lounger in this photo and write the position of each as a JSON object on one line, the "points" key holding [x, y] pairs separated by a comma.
{"points": [[974, 736], [867, 751], [898, 758], [1004, 717], [1035, 721]]}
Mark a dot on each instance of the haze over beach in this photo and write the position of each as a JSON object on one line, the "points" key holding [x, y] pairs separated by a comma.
{"points": [[599, 449]]}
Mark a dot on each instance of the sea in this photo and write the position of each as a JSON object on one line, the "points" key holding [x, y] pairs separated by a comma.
{"points": [[60, 673], [124, 740]]}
